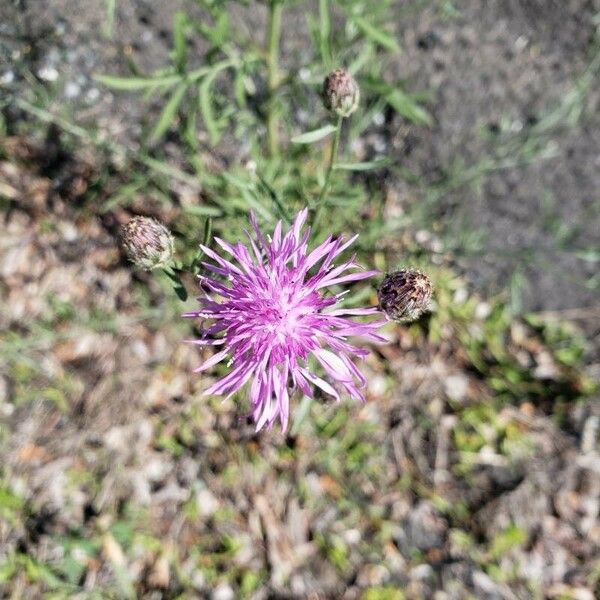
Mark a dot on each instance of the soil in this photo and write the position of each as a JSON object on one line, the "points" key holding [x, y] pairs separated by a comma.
{"points": [[508, 66]]}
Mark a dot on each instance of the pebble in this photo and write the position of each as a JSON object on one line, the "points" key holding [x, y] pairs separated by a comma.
{"points": [[423, 572], [222, 592], [48, 73], [72, 90], [206, 502], [482, 311], [378, 119], [7, 77], [93, 94], [486, 586], [352, 536], [456, 387]]}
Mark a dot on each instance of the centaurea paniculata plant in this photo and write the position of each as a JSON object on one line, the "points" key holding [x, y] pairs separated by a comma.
{"points": [[272, 308], [276, 311]]}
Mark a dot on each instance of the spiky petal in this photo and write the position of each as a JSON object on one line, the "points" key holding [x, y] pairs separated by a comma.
{"points": [[273, 312]]}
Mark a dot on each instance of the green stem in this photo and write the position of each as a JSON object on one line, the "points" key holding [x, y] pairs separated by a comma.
{"points": [[332, 157], [273, 39]]}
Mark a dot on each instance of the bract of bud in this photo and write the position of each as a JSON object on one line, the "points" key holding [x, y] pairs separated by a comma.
{"points": [[147, 242], [341, 93], [405, 295]]}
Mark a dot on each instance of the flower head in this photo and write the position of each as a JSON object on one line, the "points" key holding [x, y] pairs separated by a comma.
{"points": [[148, 243], [405, 295], [341, 93], [274, 313]]}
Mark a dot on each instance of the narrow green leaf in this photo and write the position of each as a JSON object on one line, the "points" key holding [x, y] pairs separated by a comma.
{"points": [[190, 130], [206, 102], [301, 414], [217, 33], [207, 232], [168, 170], [255, 205], [168, 113], [589, 255], [314, 136], [206, 108], [111, 7], [178, 286], [363, 58], [181, 292], [364, 166], [276, 199], [201, 72], [195, 266], [239, 88], [385, 40], [128, 84], [404, 105], [179, 42]]}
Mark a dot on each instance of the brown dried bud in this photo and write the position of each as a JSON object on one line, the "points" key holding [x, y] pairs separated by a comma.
{"points": [[405, 295], [341, 93], [148, 243]]}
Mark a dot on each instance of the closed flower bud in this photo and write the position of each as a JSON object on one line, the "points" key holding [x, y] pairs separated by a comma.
{"points": [[148, 243], [341, 93], [405, 295]]}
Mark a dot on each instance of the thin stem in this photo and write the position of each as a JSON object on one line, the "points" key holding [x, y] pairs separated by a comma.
{"points": [[273, 39], [325, 33], [332, 157]]}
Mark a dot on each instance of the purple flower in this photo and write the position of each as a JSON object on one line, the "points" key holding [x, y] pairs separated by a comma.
{"points": [[274, 312]]}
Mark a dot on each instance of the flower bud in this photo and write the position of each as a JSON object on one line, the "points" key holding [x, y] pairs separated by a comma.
{"points": [[148, 243], [405, 295], [341, 93]]}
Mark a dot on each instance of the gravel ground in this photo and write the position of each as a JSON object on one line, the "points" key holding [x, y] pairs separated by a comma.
{"points": [[125, 470]]}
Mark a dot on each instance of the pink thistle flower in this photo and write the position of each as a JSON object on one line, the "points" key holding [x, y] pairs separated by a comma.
{"points": [[275, 313]]}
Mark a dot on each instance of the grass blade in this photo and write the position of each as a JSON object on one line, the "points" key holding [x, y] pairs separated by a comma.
{"points": [[168, 113], [314, 136], [111, 8], [179, 42], [364, 166], [206, 108], [127, 84], [206, 101], [325, 33], [404, 105], [385, 40]]}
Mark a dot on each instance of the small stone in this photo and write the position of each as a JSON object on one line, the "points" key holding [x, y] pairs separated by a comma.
{"points": [[206, 502], [48, 73], [222, 592], [423, 572], [7, 77], [72, 90], [456, 387], [426, 528]]}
